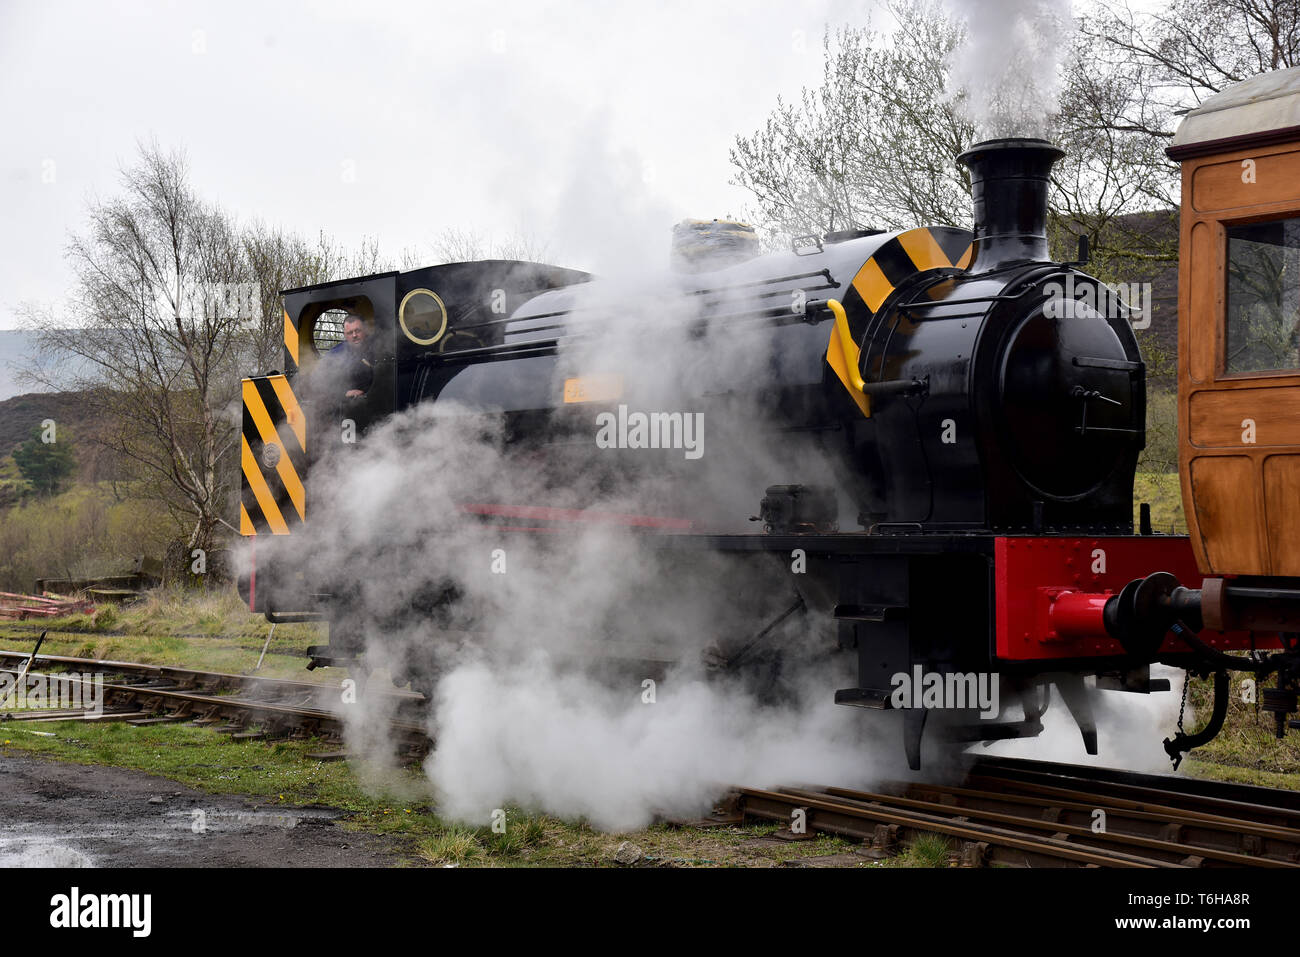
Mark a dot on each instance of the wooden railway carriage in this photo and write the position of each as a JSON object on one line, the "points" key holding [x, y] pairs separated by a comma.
{"points": [[981, 409], [1239, 329]]}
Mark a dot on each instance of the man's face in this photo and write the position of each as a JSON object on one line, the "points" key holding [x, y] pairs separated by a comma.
{"points": [[354, 332]]}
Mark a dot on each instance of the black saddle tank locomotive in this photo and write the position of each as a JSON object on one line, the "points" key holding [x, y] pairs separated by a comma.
{"points": [[949, 425]]}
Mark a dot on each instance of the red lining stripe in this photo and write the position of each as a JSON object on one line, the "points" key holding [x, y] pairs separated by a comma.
{"points": [[542, 513]]}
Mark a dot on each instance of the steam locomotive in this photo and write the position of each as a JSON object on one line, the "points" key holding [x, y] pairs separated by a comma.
{"points": [[948, 424]]}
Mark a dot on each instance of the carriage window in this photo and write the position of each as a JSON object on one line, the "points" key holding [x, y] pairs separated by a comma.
{"points": [[1263, 329]]}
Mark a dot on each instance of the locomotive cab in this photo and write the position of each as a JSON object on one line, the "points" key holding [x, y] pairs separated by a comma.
{"points": [[294, 417]]}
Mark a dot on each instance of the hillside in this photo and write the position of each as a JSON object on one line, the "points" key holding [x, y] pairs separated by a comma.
{"points": [[18, 415]]}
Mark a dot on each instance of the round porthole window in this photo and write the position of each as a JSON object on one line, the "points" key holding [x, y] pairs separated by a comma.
{"points": [[423, 317]]}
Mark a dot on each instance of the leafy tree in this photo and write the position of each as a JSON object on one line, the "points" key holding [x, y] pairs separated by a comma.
{"points": [[44, 465]]}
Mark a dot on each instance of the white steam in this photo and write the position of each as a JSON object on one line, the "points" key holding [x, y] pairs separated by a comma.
{"points": [[1130, 729], [562, 742], [1008, 70]]}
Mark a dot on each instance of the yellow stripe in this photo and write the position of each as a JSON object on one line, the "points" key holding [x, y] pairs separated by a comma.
{"points": [[245, 523], [292, 410], [290, 337], [842, 354], [872, 285], [261, 491], [292, 484], [925, 253], [964, 262]]}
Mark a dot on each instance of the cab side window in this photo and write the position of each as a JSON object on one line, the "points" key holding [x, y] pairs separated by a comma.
{"points": [[327, 331]]}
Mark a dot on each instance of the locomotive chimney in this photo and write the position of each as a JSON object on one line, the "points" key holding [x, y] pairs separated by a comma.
{"points": [[1009, 181]]}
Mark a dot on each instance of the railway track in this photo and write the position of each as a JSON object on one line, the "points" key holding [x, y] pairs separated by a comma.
{"points": [[1005, 812], [1034, 814], [248, 707]]}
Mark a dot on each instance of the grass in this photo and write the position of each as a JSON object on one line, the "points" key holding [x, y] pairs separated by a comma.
{"points": [[208, 631], [455, 846], [928, 850], [459, 844], [1246, 744], [1165, 496], [185, 613]]}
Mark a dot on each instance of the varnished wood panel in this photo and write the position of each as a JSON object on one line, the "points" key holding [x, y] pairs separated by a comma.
{"points": [[1225, 492], [1227, 185], [1205, 306], [1220, 418], [1282, 507]]}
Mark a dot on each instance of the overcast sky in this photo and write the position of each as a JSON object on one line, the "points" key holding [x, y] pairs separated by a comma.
{"points": [[591, 126]]}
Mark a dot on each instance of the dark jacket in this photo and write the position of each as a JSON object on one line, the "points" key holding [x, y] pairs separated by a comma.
{"points": [[349, 368]]}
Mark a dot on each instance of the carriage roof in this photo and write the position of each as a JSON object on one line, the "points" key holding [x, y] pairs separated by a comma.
{"points": [[1264, 108]]}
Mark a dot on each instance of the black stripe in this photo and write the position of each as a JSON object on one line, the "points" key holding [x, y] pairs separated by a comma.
{"points": [[250, 428], [260, 524], [270, 400], [894, 262], [856, 311], [952, 241], [249, 500]]}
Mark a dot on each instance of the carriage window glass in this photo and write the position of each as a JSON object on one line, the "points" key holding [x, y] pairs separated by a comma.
{"points": [[1263, 325], [328, 330]]}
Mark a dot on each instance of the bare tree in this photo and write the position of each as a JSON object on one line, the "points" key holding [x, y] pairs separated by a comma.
{"points": [[1115, 165], [1130, 75], [1198, 47], [173, 305], [161, 307], [454, 245], [873, 145]]}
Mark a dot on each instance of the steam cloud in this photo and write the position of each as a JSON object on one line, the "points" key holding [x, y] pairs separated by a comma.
{"points": [[1009, 66]]}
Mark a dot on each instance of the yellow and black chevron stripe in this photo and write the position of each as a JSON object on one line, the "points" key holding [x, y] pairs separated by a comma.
{"points": [[272, 497], [903, 256], [290, 345]]}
